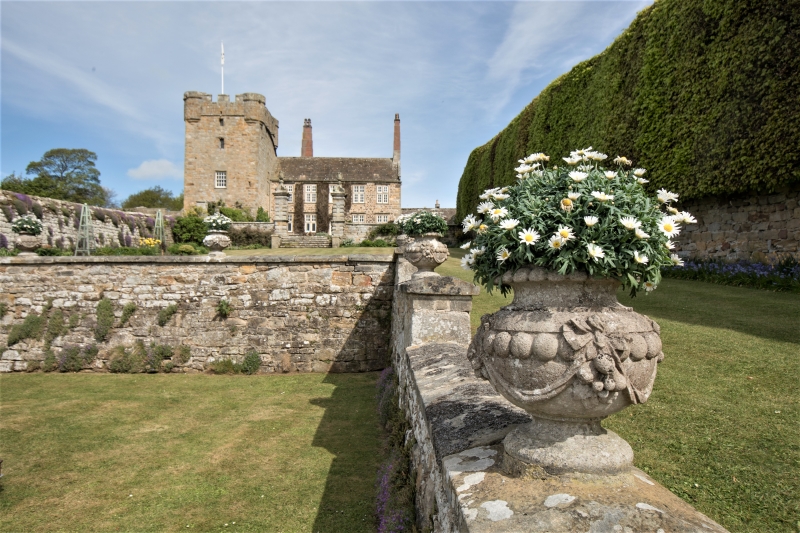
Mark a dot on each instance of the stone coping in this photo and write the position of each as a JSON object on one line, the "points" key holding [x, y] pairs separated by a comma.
{"points": [[194, 259]]}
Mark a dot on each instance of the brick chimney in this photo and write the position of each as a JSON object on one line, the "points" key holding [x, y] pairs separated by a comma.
{"points": [[307, 149], [396, 155]]}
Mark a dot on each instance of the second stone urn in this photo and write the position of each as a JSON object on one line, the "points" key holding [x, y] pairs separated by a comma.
{"points": [[27, 244], [217, 241], [570, 354], [426, 253]]}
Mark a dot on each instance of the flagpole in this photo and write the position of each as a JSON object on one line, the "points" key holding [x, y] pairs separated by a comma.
{"points": [[222, 66]]}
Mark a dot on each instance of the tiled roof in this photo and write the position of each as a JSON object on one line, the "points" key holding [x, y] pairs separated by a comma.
{"points": [[375, 169]]}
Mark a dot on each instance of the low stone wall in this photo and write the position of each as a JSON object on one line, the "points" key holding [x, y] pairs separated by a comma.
{"points": [[298, 313], [459, 422], [743, 227], [60, 221]]}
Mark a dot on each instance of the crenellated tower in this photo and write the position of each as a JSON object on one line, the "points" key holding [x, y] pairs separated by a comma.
{"points": [[231, 150]]}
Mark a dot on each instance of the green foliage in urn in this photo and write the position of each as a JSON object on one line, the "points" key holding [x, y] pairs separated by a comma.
{"points": [[704, 93], [166, 313], [579, 216], [217, 222], [105, 320], [422, 222], [27, 224]]}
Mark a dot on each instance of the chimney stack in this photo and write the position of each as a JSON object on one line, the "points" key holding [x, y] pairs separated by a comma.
{"points": [[307, 149], [396, 155]]}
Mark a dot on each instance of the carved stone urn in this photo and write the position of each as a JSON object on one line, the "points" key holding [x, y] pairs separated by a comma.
{"points": [[27, 244], [426, 253], [570, 354], [217, 240]]}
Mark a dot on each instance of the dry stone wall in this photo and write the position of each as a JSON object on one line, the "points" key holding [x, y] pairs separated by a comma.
{"points": [[745, 227], [60, 221], [299, 314]]}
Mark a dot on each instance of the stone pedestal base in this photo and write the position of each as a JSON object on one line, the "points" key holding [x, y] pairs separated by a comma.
{"points": [[548, 447], [275, 242]]}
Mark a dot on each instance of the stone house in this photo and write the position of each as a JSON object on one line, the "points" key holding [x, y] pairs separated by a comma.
{"points": [[231, 155]]}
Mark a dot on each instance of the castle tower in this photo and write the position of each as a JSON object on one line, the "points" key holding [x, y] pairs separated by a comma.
{"points": [[307, 147], [230, 150]]}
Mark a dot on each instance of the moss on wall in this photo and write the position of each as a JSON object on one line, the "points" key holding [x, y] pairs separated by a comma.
{"points": [[702, 93]]}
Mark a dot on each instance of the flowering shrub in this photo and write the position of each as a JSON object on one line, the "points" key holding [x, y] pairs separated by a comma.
{"points": [[781, 276], [580, 216], [27, 224], [421, 222], [149, 242], [217, 222]]}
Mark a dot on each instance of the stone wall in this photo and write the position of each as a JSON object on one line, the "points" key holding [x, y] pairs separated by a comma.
{"points": [[60, 221], [299, 314], [743, 227]]}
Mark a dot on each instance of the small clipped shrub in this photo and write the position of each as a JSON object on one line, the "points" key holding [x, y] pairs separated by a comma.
{"points": [[3, 241], [3, 309], [154, 357], [99, 214], [20, 206], [186, 249], [50, 362], [182, 355], [33, 366], [390, 229], [127, 312], [74, 320], [38, 210], [55, 327], [261, 215], [74, 358], [223, 366], [251, 363], [128, 360], [224, 308], [7, 212], [249, 236], [105, 320], [189, 229], [166, 313], [31, 328]]}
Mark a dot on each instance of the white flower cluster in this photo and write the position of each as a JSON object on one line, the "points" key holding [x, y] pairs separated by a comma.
{"points": [[28, 224], [218, 221], [581, 216]]}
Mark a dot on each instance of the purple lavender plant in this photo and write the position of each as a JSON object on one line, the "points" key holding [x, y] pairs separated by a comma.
{"points": [[150, 222], [128, 240], [24, 198], [8, 213], [3, 241]]}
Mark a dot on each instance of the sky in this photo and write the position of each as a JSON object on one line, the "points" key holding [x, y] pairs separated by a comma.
{"points": [[110, 77]]}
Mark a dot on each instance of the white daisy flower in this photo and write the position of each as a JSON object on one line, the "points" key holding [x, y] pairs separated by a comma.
{"points": [[537, 173], [620, 160], [610, 174], [555, 242], [477, 251], [485, 207], [572, 160], [528, 236], [639, 172], [565, 232], [669, 226], [649, 286], [641, 234], [642, 181], [574, 196], [602, 197], [590, 220], [498, 213], [467, 261], [503, 254], [499, 196], [509, 223], [630, 222], [482, 228], [669, 245], [466, 245], [578, 176], [566, 205], [469, 223], [685, 217], [537, 157], [673, 210], [665, 197], [524, 168], [581, 153], [596, 156], [640, 258], [595, 252], [676, 260], [488, 192]]}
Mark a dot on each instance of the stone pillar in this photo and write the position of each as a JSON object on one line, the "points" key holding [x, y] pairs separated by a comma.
{"points": [[337, 218], [438, 310], [281, 215]]}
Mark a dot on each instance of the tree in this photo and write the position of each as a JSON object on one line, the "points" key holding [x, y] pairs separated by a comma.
{"points": [[63, 174], [154, 197]]}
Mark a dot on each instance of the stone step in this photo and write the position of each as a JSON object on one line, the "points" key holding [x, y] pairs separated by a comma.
{"points": [[306, 241]]}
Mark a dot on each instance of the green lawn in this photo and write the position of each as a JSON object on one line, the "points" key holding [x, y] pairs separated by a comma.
{"points": [[312, 251], [142, 452], [722, 428]]}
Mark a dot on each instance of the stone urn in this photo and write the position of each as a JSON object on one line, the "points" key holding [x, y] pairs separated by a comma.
{"points": [[426, 253], [217, 240], [27, 244], [566, 351]]}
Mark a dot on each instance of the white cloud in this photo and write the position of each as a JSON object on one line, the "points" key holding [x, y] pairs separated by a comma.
{"points": [[153, 169]]}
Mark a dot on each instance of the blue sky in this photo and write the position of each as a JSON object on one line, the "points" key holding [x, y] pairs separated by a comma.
{"points": [[110, 77]]}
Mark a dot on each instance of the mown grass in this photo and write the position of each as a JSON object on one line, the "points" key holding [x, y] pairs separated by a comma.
{"points": [[299, 252], [160, 453], [722, 428]]}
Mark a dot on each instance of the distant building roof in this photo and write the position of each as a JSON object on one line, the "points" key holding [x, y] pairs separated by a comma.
{"points": [[353, 169], [448, 213]]}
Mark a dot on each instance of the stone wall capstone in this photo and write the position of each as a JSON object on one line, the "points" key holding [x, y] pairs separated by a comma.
{"points": [[298, 313]]}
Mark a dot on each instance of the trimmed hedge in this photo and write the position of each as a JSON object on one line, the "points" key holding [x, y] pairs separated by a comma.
{"points": [[702, 93]]}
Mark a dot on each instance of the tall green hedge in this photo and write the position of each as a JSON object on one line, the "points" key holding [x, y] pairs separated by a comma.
{"points": [[705, 94]]}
